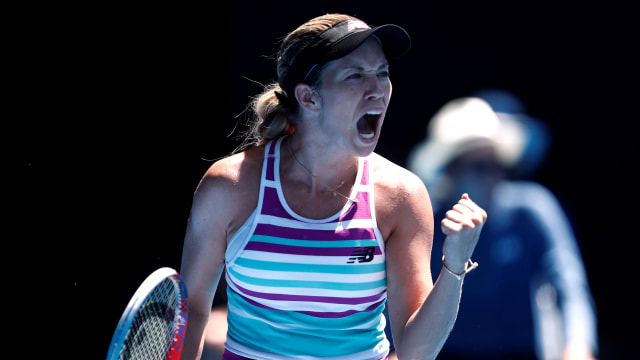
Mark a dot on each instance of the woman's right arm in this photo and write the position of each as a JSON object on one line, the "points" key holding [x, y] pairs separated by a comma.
{"points": [[203, 253]]}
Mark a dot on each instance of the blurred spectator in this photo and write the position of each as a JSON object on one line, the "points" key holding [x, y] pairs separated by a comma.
{"points": [[530, 298]]}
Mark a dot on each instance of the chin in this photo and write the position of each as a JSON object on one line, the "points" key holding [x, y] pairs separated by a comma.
{"points": [[364, 147]]}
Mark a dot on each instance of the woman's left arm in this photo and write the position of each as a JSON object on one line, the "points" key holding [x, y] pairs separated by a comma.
{"points": [[422, 314]]}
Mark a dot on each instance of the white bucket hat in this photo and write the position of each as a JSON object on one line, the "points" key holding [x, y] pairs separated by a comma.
{"points": [[465, 124]]}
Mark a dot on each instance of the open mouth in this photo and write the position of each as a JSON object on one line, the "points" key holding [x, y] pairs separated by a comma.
{"points": [[368, 124]]}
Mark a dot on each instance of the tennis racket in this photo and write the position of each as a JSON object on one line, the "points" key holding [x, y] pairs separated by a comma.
{"points": [[153, 325]]}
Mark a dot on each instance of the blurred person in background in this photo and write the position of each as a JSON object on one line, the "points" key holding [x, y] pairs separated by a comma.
{"points": [[530, 299]]}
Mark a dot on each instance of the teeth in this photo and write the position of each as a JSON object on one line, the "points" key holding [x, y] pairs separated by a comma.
{"points": [[371, 133], [367, 136]]}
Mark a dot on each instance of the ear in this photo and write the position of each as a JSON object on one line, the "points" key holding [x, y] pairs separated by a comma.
{"points": [[307, 97]]}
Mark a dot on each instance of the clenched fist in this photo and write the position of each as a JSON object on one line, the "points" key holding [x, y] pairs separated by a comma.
{"points": [[462, 226]]}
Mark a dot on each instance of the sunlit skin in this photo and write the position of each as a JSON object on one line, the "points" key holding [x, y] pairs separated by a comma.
{"points": [[353, 86], [350, 87], [328, 140]]}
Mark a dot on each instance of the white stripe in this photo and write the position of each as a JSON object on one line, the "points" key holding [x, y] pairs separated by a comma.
{"points": [[310, 305], [378, 321], [364, 188], [269, 183], [304, 259], [306, 291], [309, 276], [335, 225]]}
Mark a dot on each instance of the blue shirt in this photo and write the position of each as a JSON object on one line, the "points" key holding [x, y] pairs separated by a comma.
{"points": [[530, 276]]}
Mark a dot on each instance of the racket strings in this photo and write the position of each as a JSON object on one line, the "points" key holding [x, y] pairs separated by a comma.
{"points": [[152, 330]]}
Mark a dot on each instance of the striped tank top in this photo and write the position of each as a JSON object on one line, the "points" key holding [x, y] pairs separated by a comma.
{"points": [[303, 288]]}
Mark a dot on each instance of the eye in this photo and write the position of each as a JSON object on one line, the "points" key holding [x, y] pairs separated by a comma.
{"points": [[384, 73], [354, 76]]}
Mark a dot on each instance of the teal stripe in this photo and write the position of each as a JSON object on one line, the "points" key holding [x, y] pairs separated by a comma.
{"points": [[323, 338], [308, 284], [294, 317], [314, 243], [312, 268]]}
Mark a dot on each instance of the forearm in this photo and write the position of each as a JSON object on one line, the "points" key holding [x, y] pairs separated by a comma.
{"points": [[199, 312], [193, 342], [427, 312], [427, 330]]}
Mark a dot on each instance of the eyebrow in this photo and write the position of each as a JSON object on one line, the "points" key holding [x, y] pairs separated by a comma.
{"points": [[361, 67]]}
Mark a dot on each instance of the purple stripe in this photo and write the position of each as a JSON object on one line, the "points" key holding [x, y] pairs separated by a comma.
{"points": [[365, 173], [228, 355], [303, 250], [333, 315], [252, 302], [270, 161], [255, 303], [311, 234], [319, 299], [270, 172], [363, 199], [271, 204], [272, 148], [319, 314], [359, 210]]}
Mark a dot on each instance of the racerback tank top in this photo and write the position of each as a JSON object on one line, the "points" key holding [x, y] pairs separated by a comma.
{"points": [[303, 288]]}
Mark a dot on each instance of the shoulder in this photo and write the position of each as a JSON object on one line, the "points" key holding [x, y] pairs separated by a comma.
{"points": [[532, 198], [234, 171], [526, 189], [231, 184], [526, 195], [221, 203], [401, 197], [395, 181]]}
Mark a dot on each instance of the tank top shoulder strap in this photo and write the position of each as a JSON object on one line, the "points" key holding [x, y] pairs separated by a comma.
{"points": [[271, 152], [241, 237]]}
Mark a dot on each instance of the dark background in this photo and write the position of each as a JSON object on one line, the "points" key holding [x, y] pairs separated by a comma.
{"points": [[119, 110]]}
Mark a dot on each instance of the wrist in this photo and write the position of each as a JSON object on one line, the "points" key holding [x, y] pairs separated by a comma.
{"points": [[459, 274]]}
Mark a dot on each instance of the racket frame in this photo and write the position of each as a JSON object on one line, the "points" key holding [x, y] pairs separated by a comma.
{"points": [[134, 305]]}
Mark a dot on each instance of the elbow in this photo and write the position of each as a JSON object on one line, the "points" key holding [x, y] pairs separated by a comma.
{"points": [[198, 313], [424, 352]]}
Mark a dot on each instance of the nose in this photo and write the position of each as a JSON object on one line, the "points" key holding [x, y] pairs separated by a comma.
{"points": [[376, 87]]}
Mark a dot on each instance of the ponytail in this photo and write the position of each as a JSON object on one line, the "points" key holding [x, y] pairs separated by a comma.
{"points": [[274, 110], [273, 117]]}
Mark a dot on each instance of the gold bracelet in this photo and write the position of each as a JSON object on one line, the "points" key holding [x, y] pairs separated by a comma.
{"points": [[468, 266]]}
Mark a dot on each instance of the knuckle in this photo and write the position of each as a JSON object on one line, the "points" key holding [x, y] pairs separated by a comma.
{"points": [[459, 207]]}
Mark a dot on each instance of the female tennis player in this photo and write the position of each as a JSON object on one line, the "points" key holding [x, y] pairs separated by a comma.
{"points": [[313, 230]]}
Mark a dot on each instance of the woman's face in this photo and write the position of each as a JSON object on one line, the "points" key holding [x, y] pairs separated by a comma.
{"points": [[355, 91], [477, 172]]}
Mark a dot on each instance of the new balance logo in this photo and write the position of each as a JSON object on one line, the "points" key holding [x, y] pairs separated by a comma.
{"points": [[363, 254]]}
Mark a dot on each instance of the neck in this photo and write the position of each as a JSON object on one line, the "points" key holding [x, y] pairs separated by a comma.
{"points": [[309, 164], [323, 160]]}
